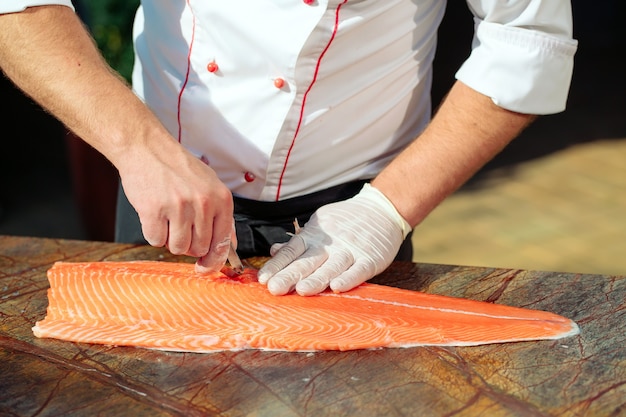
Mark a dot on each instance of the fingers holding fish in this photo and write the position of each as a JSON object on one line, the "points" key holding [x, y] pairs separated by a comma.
{"points": [[335, 266], [203, 231], [354, 276], [283, 254], [222, 236], [154, 230], [180, 200], [284, 281], [360, 247], [180, 232], [276, 247]]}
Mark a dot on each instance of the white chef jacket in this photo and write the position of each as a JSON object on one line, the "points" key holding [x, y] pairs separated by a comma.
{"points": [[286, 97]]}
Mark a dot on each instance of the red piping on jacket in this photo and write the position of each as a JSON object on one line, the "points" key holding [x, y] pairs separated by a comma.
{"points": [[182, 89], [317, 68]]}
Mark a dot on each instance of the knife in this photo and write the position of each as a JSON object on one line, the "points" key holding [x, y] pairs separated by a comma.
{"points": [[233, 259]]}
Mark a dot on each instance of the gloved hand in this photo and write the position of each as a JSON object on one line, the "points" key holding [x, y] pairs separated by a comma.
{"points": [[343, 245]]}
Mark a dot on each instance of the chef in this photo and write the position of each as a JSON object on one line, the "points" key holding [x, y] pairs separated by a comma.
{"points": [[281, 113]]}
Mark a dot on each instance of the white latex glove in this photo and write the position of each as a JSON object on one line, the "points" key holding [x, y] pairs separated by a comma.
{"points": [[343, 245]]}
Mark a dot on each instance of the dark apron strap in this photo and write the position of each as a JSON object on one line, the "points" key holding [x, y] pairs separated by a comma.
{"points": [[260, 224]]}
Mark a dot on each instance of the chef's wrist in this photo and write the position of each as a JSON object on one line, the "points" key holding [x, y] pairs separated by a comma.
{"points": [[373, 194]]}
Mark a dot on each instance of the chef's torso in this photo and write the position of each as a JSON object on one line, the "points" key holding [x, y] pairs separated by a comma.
{"points": [[285, 97]]}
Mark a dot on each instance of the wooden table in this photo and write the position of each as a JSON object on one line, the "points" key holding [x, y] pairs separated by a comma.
{"points": [[583, 375]]}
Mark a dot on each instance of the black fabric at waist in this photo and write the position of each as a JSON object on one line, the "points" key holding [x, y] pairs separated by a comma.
{"points": [[260, 224], [272, 210]]}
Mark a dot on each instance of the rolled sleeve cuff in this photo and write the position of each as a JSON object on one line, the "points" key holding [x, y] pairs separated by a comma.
{"points": [[522, 70], [20, 5]]}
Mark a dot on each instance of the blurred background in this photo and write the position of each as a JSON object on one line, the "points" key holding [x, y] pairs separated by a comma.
{"points": [[555, 199]]}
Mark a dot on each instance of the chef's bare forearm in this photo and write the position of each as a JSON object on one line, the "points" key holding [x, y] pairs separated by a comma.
{"points": [[467, 131], [47, 52]]}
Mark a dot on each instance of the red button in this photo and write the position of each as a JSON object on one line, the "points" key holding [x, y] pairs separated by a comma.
{"points": [[212, 67], [279, 83], [249, 176], [308, 1]]}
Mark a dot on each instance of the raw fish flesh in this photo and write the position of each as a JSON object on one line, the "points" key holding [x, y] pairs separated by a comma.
{"points": [[168, 306]]}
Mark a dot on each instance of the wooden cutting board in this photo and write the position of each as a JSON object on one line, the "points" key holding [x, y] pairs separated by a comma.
{"points": [[577, 376]]}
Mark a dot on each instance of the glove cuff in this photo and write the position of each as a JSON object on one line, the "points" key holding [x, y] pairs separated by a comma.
{"points": [[375, 195]]}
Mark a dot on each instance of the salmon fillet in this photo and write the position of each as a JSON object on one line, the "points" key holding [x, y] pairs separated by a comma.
{"points": [[166, 305]]}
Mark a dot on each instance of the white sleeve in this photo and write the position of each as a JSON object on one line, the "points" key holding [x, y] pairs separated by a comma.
{"points": [[522, 54], [12, 6]]}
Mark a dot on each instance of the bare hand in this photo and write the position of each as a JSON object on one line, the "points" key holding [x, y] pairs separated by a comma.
{"points": [[181, 204]]}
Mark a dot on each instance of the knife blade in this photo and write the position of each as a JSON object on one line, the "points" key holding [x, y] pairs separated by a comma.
{"points": [[233, 259]]}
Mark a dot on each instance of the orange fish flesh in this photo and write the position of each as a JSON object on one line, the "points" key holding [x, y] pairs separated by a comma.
{"points": [[168, 306]]}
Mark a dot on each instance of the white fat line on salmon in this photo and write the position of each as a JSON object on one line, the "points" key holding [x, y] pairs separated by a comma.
{"points": [[444, 310]]}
